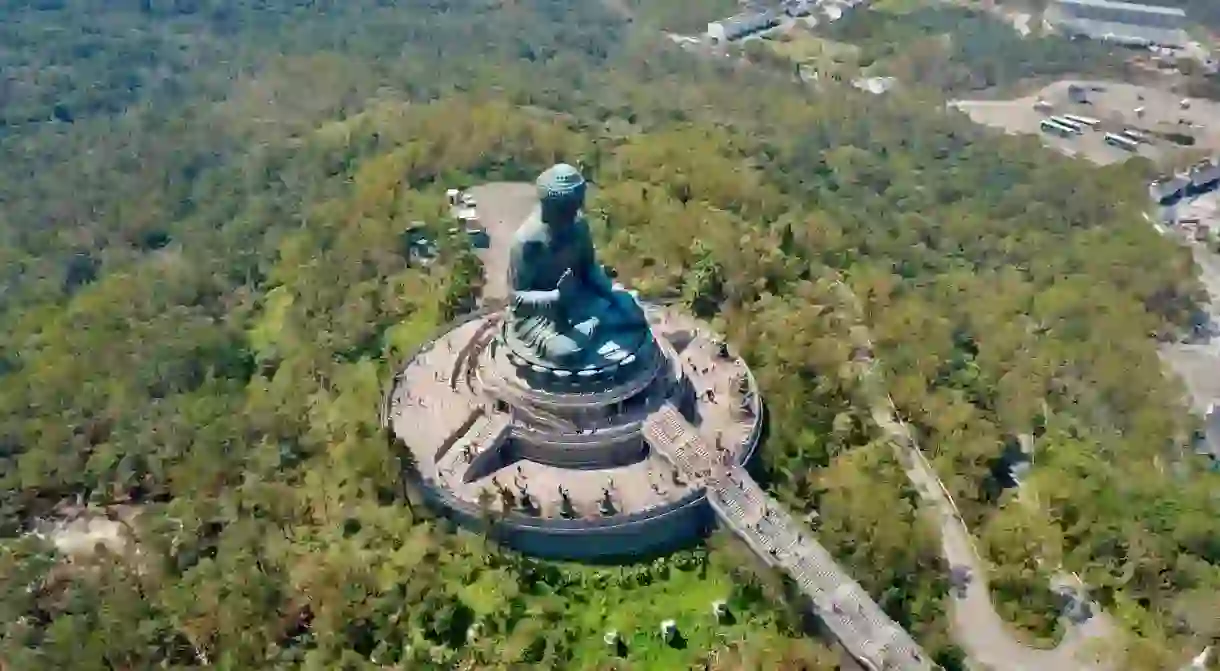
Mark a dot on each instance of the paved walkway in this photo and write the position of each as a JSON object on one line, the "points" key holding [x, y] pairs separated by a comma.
{"points": [[502, 207], [842, 605], [977, 627]]}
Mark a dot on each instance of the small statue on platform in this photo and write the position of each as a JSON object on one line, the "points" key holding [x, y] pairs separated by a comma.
{"points": [[526, 501], [745, 395], [606, 505], [742, 384], [507, 500], [678, 480], [566, 509]]}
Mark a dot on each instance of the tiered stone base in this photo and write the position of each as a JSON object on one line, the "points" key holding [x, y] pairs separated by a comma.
{"points": [[477, 430]]}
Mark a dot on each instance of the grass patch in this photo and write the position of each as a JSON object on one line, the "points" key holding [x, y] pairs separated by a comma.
{"points": [[587, 601], [899, 7], [681, 17], [811, 51], [801, 46]]}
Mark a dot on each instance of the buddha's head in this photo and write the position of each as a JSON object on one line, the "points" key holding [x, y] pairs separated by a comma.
{"points": [[561, 193]]}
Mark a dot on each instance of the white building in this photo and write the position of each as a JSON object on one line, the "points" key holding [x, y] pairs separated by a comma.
{"points": [[1151, 16], [741, 25], [1120, 22], [1170, 188], [795, 8], [1205, 174]]}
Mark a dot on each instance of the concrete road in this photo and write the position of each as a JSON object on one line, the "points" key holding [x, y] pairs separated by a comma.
{"points": [[502, 206], [977, 627]]}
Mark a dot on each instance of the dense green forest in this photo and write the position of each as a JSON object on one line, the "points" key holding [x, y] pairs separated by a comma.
{"points": [[205, 282]]}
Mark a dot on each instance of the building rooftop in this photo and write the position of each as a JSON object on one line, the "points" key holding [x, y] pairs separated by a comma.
{"points": [[1128, 6], [1125, 32], [747, 18]]}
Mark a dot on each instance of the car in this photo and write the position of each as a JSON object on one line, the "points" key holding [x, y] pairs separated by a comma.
{"points": [[959, 580]]}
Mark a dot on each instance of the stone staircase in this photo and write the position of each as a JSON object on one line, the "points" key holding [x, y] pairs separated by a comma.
{"points": [[668, 432], [845, 608], [486, 433]]}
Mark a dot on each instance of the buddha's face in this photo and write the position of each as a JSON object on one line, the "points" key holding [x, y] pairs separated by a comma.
{"points": [[563, 208]]}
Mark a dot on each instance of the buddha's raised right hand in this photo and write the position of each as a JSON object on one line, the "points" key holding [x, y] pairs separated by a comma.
{"points": [[567, 285]]}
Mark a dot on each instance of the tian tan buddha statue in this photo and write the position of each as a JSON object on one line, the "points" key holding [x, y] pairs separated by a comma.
{"points": [[564, 311]]}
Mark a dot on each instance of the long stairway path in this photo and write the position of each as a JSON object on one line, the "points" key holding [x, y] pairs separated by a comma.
{"points": [[843, 606]]}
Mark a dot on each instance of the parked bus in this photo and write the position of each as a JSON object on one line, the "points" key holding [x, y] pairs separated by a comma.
{"points": [[1121, 142], [1055, 128], [1086, 120], [1069, 124]]}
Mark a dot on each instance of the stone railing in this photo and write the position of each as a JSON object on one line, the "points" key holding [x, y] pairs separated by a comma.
{"points": [[750, 443], [522, 521], [477, 413], [844, 606], [579, 440], [667, 526], [610, 453]]}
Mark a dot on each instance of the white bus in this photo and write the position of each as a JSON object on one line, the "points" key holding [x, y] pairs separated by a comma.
{"points": [[1121, 142], [1086, 120], [1055, 128], [1068, 123]]}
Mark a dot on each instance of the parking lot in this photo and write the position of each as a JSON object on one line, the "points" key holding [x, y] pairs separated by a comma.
{"points": [[1159, 115]]}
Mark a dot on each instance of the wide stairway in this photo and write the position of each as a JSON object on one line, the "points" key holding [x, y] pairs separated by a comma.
{"points": [[845, 608]]}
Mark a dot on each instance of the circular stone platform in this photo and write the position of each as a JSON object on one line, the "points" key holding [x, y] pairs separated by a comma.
{"points": [[549, 464]]}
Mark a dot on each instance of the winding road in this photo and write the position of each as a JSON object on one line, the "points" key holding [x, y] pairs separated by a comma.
{"points": [[977, 627]]}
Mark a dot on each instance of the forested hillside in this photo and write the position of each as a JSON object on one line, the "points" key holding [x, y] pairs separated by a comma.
{"points": [[205, 282]]}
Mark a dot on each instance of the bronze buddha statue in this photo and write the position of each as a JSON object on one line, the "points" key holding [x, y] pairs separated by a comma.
{"points": [[564, 311]]}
